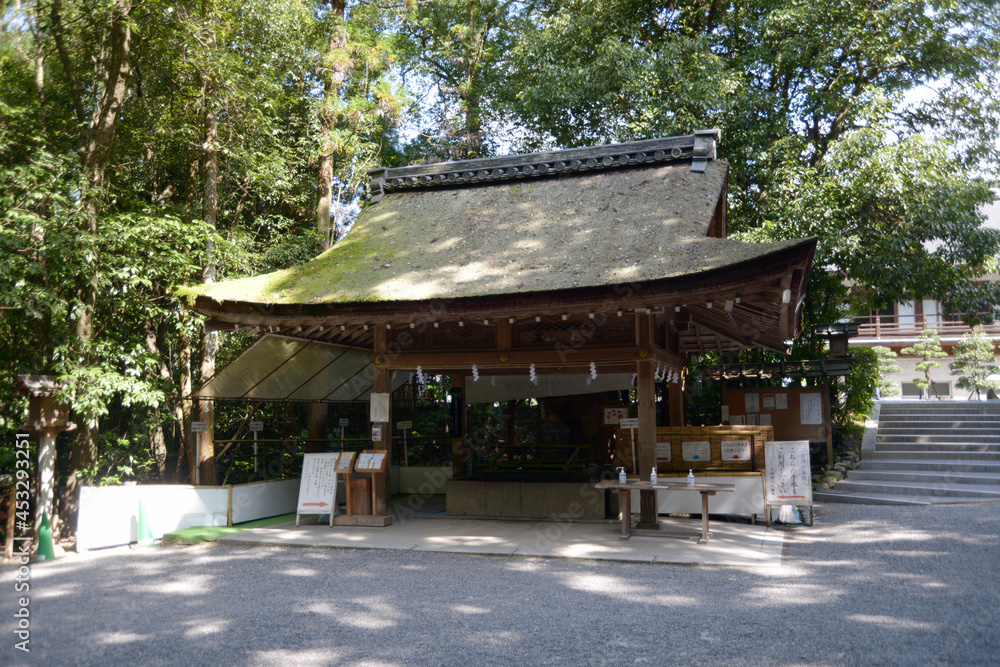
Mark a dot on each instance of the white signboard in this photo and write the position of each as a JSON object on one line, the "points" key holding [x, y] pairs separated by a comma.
{"points": [[380, 407], [787, 474], [318, 486], [735, 450], [404, 425], [663, 452], [811, 408], [256, 427], [629, 423], [199, 427], [700, 450], [344, 422], [614, 415], [781, 401]]}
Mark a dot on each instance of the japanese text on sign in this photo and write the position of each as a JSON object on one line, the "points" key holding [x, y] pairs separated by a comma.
{"points": [[787, 472]]}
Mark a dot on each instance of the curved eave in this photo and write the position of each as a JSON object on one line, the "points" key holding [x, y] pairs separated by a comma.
{"points": [[777, 279]]}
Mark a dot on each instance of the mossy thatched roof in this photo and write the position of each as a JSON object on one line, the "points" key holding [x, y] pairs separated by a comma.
{"points": [[579, 230]]}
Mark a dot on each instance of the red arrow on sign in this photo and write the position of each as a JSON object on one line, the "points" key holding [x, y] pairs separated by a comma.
{"points": [[315, 504]]}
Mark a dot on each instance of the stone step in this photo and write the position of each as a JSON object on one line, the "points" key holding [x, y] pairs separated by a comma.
{"points": [[924, 476], [836, 495], [937, 405], [918, 428], [939, 414], [936, 445], [938, 437], [932, 455], [950, 465], [922, 489]]}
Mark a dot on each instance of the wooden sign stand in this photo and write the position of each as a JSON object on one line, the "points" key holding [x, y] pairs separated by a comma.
{"points": [[374, 463]]}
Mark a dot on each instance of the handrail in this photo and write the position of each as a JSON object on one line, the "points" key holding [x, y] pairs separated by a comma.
{"points": [[887, 326]]}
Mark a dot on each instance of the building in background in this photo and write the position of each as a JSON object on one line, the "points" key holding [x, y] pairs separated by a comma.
{"points": [[900, 326]]}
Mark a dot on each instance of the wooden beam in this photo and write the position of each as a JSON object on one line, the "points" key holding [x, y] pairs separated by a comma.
{"points": [[545, 358]]}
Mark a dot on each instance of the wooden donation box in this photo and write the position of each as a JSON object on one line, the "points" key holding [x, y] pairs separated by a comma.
{"points": [[361, 491]]}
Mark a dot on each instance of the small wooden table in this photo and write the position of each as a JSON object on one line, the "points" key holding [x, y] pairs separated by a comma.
{"points": [[627, 488]]}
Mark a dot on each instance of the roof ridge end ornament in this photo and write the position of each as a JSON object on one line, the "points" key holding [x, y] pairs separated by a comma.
{"points": [[705, 142]]}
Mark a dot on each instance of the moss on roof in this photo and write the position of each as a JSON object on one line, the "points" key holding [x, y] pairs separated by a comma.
{"points": [[598, 228]]}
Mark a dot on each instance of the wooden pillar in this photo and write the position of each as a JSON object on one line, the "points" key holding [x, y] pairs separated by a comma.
{"points": [[675, 393], [205, 452], [457, 426], [646, 393], [828, 418], [511, 409], [383, 385], [318, 415]]}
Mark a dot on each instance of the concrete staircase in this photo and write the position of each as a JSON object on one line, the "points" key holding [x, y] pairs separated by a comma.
{"points": [[927, 452]]}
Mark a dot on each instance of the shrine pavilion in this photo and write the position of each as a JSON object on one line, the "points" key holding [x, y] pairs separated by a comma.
{"points": [[555, 274]]}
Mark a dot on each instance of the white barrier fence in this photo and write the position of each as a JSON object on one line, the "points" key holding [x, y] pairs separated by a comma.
{"points": [[109, 515]]}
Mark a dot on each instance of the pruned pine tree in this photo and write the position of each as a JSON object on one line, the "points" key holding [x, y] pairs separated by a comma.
{"points": [[928, 349], [976, 363]]}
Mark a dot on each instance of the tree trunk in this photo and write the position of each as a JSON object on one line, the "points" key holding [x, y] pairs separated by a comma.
{"points": [[210, 339], [112, 76], [184, 408], [327, 124]]}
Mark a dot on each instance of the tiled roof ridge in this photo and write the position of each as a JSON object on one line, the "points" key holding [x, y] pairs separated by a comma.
{"points": [[699, 147]]}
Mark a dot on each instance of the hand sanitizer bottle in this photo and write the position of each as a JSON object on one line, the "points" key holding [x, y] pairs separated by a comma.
{"points": [[621, 475], [690, 477], [652, 477]]}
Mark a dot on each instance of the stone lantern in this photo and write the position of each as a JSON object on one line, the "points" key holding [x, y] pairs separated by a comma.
{"points": [[47, 417]]}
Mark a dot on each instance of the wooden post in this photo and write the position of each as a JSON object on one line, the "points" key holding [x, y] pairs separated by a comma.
{"points": [[318, 415], [646, 392], [828, 418], [457, 429], [382, 484], [675, 390]]}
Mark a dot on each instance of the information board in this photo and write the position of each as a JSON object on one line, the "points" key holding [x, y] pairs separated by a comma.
{"points": [[787, 473], [344, 464], [318, 486], [796, 413], [370, 462], [698, 450], [613, 415], [735, 450]]}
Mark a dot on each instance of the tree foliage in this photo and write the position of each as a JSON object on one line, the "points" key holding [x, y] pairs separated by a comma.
{"points": [[928, 349], [887, 365], [976, 363]]}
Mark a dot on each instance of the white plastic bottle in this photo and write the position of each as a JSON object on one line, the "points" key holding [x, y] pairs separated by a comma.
{"points": [[652, 477], [621, 475], [690, 477]]}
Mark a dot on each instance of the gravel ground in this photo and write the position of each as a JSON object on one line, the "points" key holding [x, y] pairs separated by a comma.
{"points": [[867, 586]]}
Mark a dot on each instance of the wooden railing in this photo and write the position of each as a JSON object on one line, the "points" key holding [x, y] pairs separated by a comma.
{"points": [[894, 326]]}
